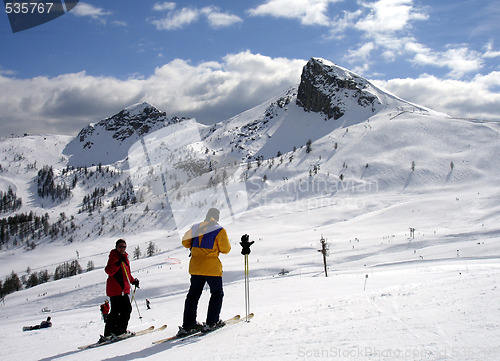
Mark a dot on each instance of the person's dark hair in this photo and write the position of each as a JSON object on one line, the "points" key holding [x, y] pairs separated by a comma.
{"points": [[120, 241], [213, 213]]}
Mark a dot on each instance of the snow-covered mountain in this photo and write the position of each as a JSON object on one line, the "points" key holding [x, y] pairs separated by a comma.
{"points": [[327, 99], [334, 157], [108, 140], [333, 135]]}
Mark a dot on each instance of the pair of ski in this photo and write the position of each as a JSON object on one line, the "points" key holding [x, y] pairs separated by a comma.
{"points": [[228, 322], [231, 321], [123, 337]]}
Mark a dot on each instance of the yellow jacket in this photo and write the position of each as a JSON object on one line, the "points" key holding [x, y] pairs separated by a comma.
{"points": [[206, 240]]}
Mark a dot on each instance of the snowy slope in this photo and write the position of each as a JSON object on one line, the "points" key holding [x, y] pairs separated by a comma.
{"points": [[388, 295], [438, 308]]}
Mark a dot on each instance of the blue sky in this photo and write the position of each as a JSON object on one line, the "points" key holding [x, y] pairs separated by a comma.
{"points": [[214, 59]]}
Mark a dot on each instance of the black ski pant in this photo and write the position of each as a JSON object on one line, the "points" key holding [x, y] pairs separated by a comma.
{"points": [[119, 316], [194, 294]]}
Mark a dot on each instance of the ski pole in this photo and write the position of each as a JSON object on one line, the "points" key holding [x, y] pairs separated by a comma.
{"points": [[133, 294], [136, 305], [247, 289], [245, 244]]}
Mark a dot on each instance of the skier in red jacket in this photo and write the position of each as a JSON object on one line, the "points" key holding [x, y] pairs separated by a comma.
{"points": [[118, 290]]}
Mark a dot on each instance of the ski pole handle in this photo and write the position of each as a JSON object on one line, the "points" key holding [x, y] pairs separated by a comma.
{"points": [[245, 244]]}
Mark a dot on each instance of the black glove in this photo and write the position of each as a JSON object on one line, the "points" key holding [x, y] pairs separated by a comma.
{"points": [[245, 244], [121, 259], [136, 283]]}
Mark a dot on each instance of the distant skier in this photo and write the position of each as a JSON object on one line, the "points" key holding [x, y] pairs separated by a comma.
{"points": [[105, 310], [118, 290], [148, 304], [44, 324], [206, 241]]}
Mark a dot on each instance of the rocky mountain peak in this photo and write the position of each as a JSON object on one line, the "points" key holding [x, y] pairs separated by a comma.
{"points": [[108, 140], [136, 119], [330, 89]]}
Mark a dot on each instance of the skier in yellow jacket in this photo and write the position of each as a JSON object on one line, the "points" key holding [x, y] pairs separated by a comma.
{"points": [[206, 241]]}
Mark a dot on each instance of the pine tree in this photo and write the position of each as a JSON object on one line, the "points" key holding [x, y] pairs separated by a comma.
{"points": [[137, 252], [151, 249], [75, 268], [46, 186], [9, 201], [11, 284], [308, 146], [43, 276], [32, 280]]}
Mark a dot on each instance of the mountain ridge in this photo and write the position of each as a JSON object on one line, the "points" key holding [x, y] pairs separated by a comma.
{"points": [[277, 151], [329, 91]]}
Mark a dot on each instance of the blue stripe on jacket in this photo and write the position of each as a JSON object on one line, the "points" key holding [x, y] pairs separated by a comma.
{"points": [[209, 235]]}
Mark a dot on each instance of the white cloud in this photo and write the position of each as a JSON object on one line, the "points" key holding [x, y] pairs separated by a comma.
{"points": [[217, 19], [489, 52], [340, 24], [386, 27], [221, 89], [362, 54], [165, 6], [120, 23], [210, 91], [178, 19], [477, 98], [309, 12], [85, 9], [7, 72], [388, 16], [460, 61]]}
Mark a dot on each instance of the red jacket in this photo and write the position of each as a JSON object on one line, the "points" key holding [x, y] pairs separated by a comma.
{"points": [[119, 276]]}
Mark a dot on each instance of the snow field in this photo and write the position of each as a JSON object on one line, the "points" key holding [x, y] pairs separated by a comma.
{"points": [[435, 307]]}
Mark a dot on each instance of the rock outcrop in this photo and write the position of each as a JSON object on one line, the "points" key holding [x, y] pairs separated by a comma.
{"points": [[329, 89]]}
